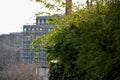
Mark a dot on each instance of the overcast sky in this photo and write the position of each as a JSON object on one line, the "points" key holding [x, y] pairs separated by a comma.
{"points": [[16, 13]]}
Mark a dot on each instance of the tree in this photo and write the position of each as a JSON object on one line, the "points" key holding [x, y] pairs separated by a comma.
{"points": [[12, 70], [88, 43], [57, 6]]}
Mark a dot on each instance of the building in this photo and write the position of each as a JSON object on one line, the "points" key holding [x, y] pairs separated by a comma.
{"points": [[30, 33]]}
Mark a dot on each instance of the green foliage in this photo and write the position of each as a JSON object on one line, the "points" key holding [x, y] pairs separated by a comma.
{"points": [[57, 73], [88, 41]]}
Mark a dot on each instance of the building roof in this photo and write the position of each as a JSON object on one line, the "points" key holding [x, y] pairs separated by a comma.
{"points": [[43, 17]]}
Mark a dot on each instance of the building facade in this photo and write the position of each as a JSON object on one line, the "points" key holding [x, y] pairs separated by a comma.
{"points": [[30, 33]]}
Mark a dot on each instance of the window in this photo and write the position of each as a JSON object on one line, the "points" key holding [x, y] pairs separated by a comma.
{"points": [[38, 21], [33, 37], [24, 29], [36, 29], [33, 29], [24, 46], [43, 29], [42, 21], [28, 37], [40, 29], [29, 29], [48, 29], [25, 38]]}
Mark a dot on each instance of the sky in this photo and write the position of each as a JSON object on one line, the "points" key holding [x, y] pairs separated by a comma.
{"points": [[16, 13]]}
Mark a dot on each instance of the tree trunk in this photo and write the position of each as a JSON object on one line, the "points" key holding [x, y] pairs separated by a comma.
{"points": [[68, 7]]}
